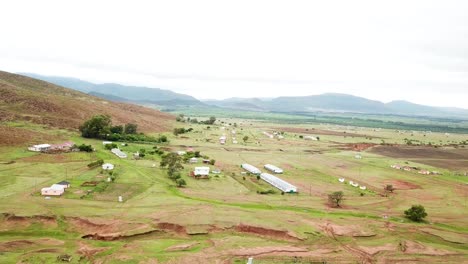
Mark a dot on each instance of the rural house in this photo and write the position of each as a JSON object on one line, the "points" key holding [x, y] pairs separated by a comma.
{"points": [[273, 168], [54, 190], [65, 184], [107, 166], [40, 147]]}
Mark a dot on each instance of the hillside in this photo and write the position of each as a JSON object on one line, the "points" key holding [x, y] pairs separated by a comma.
{"points": [[28, 99], [117, 92]]}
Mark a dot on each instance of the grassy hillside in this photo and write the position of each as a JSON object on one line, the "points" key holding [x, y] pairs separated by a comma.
{"points": [[28, 99]]}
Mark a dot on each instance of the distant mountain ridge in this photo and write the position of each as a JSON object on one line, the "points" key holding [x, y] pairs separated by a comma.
{"points": [[120, 93], [335, 102], [328, 102]]}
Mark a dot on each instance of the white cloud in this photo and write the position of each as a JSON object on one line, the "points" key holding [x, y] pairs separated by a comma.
{"points": [[413, 50]]}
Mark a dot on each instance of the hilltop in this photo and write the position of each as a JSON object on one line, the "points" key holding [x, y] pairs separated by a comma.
{"points": [[28, 99]]}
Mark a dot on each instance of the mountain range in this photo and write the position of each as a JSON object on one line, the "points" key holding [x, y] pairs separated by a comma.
{"points": [[329, 102]]}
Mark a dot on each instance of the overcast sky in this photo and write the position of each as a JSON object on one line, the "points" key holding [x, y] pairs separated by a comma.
{"points": [[383, 50]]}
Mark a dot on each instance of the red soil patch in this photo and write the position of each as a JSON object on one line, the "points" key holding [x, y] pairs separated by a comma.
{"points": [[279, 234], [88, 251], [26, 244], [182, 247], [403, 185], [11, 221], [173, 227], [378, 249], [417, 248], [110, 230], [350, 230]]}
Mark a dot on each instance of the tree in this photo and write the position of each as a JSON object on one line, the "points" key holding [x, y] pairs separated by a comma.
{"points": [[416, 213], [85, 148], [117, 129], [173, 162], [131, 128], [212, 120], [142, 153], [245, 138], [389, 188], [110, 146], [181, 182], [96, 127], [335, 198]]}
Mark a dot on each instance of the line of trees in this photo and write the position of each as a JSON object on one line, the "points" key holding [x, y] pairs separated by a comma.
{"points": [[173, 163], [100, 127]]}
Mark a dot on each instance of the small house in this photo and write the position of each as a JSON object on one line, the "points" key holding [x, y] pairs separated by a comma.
{"points": [[40, 147], [107, 166], [54, 190], [65, 184], [106, 143], [358, 156], [424, 172], [311, 138], [181, 152], [201, 171], [193, 160]]}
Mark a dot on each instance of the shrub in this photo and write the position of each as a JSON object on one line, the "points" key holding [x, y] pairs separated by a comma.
{"points": [[95, 164], [85, 148], [416, 213]]}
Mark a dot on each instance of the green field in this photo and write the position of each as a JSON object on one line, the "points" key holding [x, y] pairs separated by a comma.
{"points": [[224, 219]]}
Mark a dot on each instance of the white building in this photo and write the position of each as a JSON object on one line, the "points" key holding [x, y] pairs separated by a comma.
{"points": [[107, 166], [311, 138], [54, 190], [284, 186], [193, 160], [119, 153], [250, 168], [106, 142], [40, 147], [201, 171], [273, 168]]}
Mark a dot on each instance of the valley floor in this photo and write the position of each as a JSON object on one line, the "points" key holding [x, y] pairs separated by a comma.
{"points": [[224, 219]]}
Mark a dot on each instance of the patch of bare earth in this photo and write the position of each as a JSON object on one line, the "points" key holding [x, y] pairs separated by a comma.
{"points": [[12, 221], [182, 247], [108, 230], [411, 247], [16, 245], [273, 233], [378, 249], [89, 251]]}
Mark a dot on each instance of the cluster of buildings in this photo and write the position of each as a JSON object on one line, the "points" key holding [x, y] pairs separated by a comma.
{"points": [[66, 146], [408, 168], [276, 182], [352, 183], [55, 189]]}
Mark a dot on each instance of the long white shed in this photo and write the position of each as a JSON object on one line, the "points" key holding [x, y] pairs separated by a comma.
{"points": [[273, 168], [250, 168], [278, 183], [201, 171]]}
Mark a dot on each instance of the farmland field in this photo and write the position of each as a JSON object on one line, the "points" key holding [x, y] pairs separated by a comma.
{"points": [[226, 218]]}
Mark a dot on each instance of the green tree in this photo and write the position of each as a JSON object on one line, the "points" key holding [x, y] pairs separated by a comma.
{"points": [[131, 128], [335, 198], [245, 138], [181, 182], [117, 129], [173, 163], [96, 127], [416, 213]]}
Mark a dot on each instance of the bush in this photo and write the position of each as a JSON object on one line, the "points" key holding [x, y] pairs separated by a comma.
{"points": [[110, 146], [85, 148], [335, 198], [416, 213], [95, 164]]}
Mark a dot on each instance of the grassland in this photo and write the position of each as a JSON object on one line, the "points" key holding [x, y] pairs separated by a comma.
{"points": [[223, 219]]}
